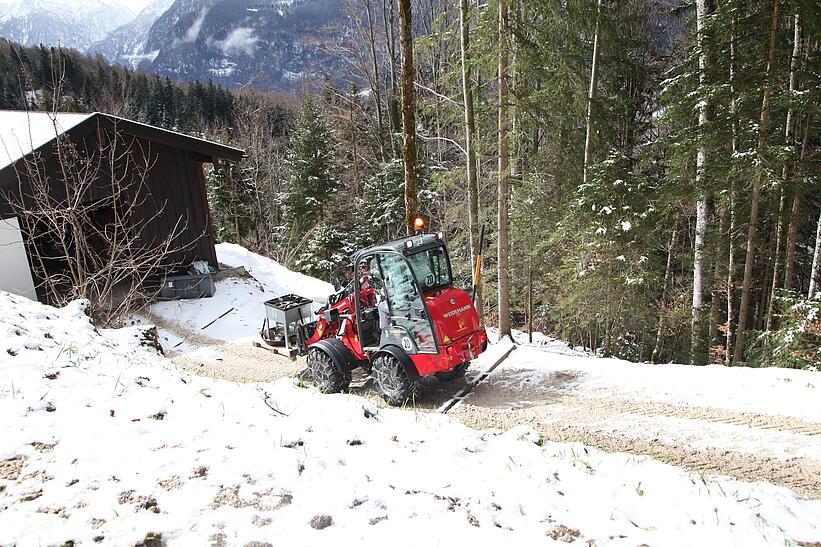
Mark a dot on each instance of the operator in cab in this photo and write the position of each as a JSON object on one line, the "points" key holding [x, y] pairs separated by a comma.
{"points": [[367, 291]]}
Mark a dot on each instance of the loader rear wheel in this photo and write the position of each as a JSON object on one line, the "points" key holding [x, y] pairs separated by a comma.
{"points": [[391, 380], [326, 377], [457, 372]]}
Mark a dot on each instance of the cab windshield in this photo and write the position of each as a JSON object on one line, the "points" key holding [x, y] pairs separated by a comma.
{"points": [[431, 268]]}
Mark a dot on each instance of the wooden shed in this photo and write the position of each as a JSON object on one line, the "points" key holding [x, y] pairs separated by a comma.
{"points": [[169, 204]]}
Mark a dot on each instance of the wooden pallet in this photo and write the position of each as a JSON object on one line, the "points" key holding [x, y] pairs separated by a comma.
{"points": [[290, 354]]}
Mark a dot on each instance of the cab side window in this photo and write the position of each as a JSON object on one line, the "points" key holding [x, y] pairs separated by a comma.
{"points": [[401, 290], [407, 308]]}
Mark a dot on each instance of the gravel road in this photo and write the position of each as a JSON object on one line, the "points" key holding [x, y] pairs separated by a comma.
{"points": [[238, 361]]}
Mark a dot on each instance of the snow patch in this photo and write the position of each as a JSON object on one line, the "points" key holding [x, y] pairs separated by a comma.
{"points": [[135, 59], [240, 40], [773, 391], [21, 131], [194, 30]]}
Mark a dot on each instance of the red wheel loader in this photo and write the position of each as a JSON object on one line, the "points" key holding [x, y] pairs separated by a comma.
{"points": [[400, 319]]}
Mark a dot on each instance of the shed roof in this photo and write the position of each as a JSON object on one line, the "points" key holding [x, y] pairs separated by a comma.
{"points": [[22, 132]]}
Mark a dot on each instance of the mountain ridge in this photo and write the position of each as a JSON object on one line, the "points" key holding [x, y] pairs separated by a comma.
{"points": [[68, 23], [270, 44]]}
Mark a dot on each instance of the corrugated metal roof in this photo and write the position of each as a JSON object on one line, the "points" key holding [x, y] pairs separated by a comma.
{"points": [[22, 132]]}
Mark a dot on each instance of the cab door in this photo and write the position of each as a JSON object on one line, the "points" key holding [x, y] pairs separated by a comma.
{"points": [[410, 326]]}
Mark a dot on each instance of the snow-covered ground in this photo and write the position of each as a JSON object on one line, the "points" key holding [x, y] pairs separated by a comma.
{"points": [[776, 391], [752, 424], [103, 440]]}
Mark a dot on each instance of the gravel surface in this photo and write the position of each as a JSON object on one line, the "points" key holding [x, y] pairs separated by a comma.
{"points": [[238, 361]]}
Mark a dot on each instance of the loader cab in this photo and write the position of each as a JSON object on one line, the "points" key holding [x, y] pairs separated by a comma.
{"points": [[401, 274]]}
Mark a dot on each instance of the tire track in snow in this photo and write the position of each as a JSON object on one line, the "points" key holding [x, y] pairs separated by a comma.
{"points": [[693, 412], [699, 438]]}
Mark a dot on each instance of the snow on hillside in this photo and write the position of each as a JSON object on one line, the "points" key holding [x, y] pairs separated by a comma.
{"points": [[274, 277], [776, 391], [241, 298], [104, 441], [67, 23], [126, 43]]}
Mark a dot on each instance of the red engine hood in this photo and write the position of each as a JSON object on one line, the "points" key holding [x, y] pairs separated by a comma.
{"points": [[452, 313]]}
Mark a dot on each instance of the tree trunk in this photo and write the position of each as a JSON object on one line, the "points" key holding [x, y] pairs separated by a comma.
{"points": [[515, 81], [815, 273], [746, 285], [779, 232], [377, 93], [607, 349], [728, 350], [665, 293], [408, 113], [470, 131], [792, 234], [698, 338], [792, 239], [388, 19], [356, 183], [763, 298], [718, 279], [530, 283], [503, 242], [792, 231], [591, 94]]}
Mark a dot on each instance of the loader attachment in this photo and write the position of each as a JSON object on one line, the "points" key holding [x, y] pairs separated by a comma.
{"points": [[288, 324]]}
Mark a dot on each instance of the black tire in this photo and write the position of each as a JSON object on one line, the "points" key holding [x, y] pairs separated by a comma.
{"points": [[457, 372], [324, 374], [391, 380]]}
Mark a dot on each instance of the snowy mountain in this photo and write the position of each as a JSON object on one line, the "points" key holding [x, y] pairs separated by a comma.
{"points": [[270, 44], [68, 23], [126, 43]]}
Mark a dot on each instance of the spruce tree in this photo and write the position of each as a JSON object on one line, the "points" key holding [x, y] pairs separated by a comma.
{"points": [[232, 196], [312, 182]]}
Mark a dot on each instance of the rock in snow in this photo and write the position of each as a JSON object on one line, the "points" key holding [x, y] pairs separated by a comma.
{"points": [[103, 440]]}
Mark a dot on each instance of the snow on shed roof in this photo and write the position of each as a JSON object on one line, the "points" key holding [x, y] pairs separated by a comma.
{"points": [[22, 132]]}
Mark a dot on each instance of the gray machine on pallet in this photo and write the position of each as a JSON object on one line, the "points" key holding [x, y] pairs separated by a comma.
{"points": [[286, 320], [196, 284], [188, 286]]}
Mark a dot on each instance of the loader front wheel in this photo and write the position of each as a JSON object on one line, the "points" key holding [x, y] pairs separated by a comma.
{"points": [[391, 380], [324, 374]]}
